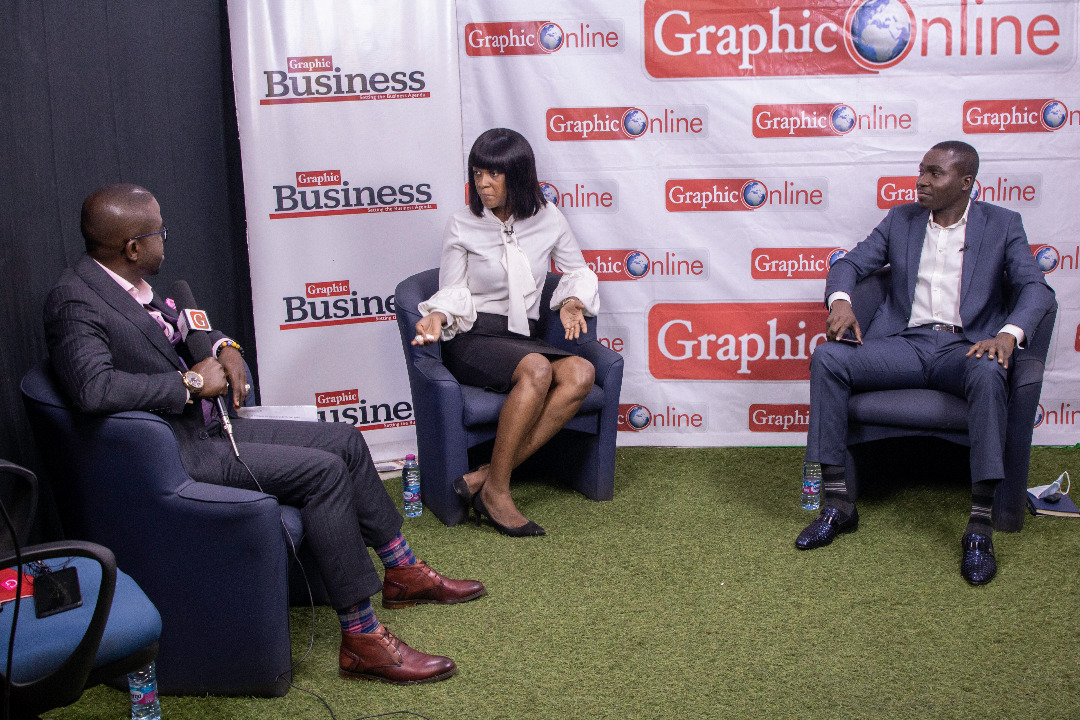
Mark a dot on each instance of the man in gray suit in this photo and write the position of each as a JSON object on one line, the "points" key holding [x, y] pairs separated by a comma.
{"points": [[115, 346], [946, 324]]}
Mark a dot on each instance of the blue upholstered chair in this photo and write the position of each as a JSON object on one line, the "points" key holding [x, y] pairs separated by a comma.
{"points": [[115, 630], [452, 418], [905, 413], [213, 559]]}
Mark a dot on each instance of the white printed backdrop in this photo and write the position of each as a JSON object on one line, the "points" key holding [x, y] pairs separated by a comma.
{"points": [[711, 157]]}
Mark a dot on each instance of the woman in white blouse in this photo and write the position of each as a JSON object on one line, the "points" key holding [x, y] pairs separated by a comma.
{"points": [[495, 258]]}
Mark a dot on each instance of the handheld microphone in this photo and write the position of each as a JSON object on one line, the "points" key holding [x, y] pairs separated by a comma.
{"points": [[194, 328]]}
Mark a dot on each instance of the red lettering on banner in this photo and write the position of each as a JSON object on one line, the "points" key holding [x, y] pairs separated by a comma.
{"points": [[505, 38], [896, 190], [779, 418], [1016, 116], [734, 341], [311, 63], [338, 397], [317, 178], [327, 289], [792, 263], [1076, 345]]}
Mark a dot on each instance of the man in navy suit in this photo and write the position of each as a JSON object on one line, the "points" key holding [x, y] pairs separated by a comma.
{"points": [[946, 325], [114, 344]]}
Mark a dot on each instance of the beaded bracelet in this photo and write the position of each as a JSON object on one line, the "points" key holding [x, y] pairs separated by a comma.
{"points": [[230, 343]]}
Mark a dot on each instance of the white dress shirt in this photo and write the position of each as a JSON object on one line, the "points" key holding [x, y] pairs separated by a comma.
{"points": [[937, 286], [500, 267]]}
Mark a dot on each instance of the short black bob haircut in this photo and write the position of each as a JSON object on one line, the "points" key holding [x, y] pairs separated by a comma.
{"points": [[966, 155], [507, 152]]}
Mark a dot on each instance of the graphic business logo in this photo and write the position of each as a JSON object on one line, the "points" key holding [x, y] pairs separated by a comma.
{"points": [[346, 406], [785, 38], [326, 304], [316, 79], [319, 193]]}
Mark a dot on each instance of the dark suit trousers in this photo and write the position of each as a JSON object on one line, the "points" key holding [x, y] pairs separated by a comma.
{"points": [[324, 469], [916, 358]]}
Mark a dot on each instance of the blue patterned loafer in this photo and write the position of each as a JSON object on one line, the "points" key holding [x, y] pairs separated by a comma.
{"points": [[825, 528], [978, 565]]}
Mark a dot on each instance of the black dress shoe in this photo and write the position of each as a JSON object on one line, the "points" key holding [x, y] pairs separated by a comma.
{"points": [[827, 526], [978, 565]]}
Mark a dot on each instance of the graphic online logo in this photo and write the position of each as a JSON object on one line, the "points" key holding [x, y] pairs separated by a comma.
{"points": [[1023, 190], [1060, 413], [741, 194], [325, 193], [348, 407], [681, 418], [773, 38], [626, 122], [542, 37], [779, 418], [833, 119], [1049, 259], [734, 341], [1017, 116], [793, 263], [651, 265], [593, 195], [333, 303], [315, 79], [613, 338]]}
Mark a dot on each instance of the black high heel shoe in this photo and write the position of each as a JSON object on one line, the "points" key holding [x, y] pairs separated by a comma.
{"points": [[461, 488], [529, 529]]}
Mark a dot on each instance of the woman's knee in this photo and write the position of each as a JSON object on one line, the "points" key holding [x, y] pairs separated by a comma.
{"points": [[535, 371], [576, 372]]}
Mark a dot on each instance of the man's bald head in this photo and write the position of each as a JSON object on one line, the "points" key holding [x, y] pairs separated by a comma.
{"points": [[110, 215]]}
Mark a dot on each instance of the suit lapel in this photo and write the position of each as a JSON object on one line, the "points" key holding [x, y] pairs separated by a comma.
{"points": [[915, 238], [115, 296], [973, 237]]}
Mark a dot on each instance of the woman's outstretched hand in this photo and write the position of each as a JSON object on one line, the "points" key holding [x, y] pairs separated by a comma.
{"points": [[429, 329], [573, 319]]}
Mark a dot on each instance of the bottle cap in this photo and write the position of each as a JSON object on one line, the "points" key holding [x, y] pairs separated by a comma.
{"points": [[410, 456]]}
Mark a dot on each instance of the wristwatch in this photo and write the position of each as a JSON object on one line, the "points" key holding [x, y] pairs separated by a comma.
{"points": [[193, 381]]}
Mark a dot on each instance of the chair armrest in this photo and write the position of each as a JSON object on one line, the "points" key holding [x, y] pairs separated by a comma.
{"points": [[604, 359], [433, 370], [76, 668]]}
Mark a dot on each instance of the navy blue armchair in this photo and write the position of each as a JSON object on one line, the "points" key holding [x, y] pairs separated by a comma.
{"points": [[452, 418], [905, 413], [115, 631], [213, 559]]}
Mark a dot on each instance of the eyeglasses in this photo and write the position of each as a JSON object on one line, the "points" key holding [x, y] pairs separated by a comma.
{"points": [[163, 232]]}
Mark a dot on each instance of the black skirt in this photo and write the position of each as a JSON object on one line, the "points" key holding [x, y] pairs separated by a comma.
{"points": [[488, 354]]}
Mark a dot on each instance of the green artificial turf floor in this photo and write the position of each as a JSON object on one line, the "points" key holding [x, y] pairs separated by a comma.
{"points": [[684, 597]]}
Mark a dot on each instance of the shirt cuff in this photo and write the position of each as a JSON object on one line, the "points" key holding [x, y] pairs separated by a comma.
{"points": [[1016, 332], [838, 295]]}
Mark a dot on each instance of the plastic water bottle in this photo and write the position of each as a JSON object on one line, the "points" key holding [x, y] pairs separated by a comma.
{"points": [[410, 486], [144, 697], [811, 486]]}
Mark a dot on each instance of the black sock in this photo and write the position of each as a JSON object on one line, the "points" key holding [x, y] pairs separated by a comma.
{"points": [[834, 490], [982, 500]]}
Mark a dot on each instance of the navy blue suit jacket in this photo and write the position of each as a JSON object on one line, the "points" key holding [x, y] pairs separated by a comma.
{"points": [[1000, 282]]}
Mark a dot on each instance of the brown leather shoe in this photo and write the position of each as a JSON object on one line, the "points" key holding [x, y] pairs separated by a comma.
{"points": [[383, 656], [407, 585]]}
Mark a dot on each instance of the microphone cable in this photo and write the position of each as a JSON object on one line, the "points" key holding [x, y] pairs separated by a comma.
{"points": [[14, 620]]}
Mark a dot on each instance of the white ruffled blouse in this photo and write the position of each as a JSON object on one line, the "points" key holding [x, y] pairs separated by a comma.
{"points": [[500, 267]]}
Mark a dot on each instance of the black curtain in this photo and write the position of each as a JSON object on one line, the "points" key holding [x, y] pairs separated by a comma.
{"points": [[102, 91]]}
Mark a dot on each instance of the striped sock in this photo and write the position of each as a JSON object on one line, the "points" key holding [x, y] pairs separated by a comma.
{"points": [[834, 490], [982, 500], [396, 552], [359, 618]]}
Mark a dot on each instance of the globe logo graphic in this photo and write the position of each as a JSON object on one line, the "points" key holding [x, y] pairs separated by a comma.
{"points": [[550, 192], [639, 417], [635, 123], [1039, 415], [1054, 114], [880, 32], [842, 119], [550, 37], [636, 264], [1047, 258], [754, 194], [976, 190], [836, 255]]}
